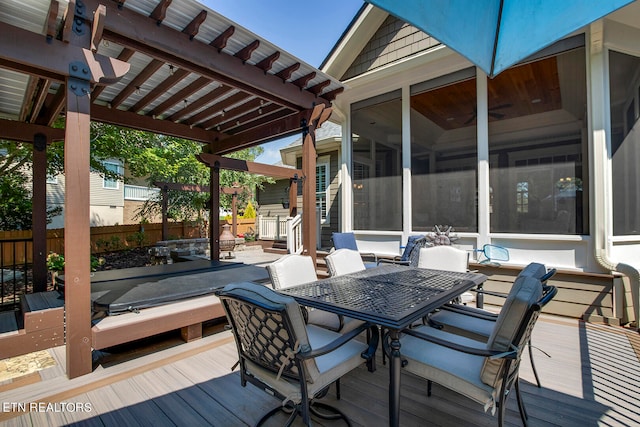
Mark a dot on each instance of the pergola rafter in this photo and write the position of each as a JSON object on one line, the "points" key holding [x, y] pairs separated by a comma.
{"points": [[205, 79]]}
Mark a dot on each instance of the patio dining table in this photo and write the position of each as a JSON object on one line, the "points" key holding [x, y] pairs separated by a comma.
{"points": [[391, 296]]}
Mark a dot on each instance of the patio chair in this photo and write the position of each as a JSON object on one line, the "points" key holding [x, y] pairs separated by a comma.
{"points": [[348, 241], [446, 258], [485, 373], [478, 324], [286, 358], [410, 253], [292, 270], [344, 261]]}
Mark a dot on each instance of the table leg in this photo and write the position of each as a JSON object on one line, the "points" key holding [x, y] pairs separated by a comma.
{"points": [[394, 378]]}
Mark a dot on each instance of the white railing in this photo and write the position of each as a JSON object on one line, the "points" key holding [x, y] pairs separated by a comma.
{"points": [[136, 192], [282, 227], [294, 235], [272, 227]]}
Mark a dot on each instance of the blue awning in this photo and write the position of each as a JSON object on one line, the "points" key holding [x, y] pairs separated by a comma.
{"points": [[495, 34]]}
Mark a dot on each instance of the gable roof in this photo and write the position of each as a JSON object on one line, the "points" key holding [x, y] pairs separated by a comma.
{"points": [[353, 40]]}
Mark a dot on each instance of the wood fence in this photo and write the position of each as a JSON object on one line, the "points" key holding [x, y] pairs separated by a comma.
{"points": [[16, 246]]}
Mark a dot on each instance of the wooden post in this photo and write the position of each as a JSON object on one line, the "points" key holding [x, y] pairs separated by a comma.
{"points": [[309, 191], [214, 213], [77, 233], [165, 215], [39, 213], [234, 214], [84, 67], [293, 196], [319, 115]]}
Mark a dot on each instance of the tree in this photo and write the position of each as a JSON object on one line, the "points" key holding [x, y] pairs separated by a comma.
{"points": [[146, 155], [15, 188], [175, 161]]}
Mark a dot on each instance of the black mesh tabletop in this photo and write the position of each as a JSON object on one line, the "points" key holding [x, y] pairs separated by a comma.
{"points": [[391, 296]]}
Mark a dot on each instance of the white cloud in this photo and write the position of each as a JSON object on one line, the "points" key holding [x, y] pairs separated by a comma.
{"points": [[271, 154]]}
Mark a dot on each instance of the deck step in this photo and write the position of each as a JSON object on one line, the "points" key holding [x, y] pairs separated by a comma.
{"points": [[42, 301], [39, 326], [8, 321]]}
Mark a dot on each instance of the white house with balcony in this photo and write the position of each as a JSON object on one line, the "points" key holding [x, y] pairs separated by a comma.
{"points": [[112, 201]]}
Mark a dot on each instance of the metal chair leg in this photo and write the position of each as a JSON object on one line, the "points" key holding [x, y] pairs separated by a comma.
{"points": [[523, 412], [533, 365]]}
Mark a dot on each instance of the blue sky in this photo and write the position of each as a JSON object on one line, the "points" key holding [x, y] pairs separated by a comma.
{"points": [[308, 30]]}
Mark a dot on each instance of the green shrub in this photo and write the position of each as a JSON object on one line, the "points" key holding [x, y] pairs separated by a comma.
{"points": [[249, 211]]}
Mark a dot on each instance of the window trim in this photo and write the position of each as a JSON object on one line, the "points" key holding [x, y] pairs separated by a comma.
{"points": [[106, 180], [326, 162]]}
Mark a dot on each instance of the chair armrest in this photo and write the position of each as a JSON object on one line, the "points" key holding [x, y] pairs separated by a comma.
{"points": [[338, 342], [370, 255], [470, 311], [462, 348], [548, 275], [395, 260], [492, 293]]}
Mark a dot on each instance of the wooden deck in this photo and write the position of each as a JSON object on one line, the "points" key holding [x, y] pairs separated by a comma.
{"points": [[592, 378]]}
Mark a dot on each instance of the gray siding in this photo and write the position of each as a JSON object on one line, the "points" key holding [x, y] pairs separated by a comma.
{"points": [[270, 199], [393, 41]]}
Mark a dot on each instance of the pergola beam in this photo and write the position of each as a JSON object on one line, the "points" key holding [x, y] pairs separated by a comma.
{"points": [[28, 46], [149, 124], [130, 29], [24, 132], [222, 162], [280, 127]]}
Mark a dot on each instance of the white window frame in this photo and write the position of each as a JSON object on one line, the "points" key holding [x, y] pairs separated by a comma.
{"points": [[325, 162], [108, 184]]}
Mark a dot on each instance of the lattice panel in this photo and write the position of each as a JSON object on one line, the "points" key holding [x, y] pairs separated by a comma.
{"points": [[264, 337]]}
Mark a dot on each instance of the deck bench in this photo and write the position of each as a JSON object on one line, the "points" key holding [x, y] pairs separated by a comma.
{"points": [[186, 315]]}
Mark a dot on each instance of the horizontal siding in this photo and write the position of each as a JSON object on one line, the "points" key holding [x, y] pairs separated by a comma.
{"points": [[579, 295], [55, 192], [101, 196]]}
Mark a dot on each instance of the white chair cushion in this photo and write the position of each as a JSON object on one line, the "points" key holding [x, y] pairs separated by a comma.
{"points": [[444, 258], [291, 270], [323, 318], [262, 294], [469, 326], [331, 366], [344, 261], [474, 327], [455, 370], [467, 297], [526, 291]]}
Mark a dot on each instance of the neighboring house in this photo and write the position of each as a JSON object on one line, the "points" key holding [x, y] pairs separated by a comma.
{"points": [[541, 159], [112, 202], [271, 199]]}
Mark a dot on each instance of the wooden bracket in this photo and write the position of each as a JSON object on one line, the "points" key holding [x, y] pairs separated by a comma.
{"points": [[98, 27], [160, 12], [194, 26]]}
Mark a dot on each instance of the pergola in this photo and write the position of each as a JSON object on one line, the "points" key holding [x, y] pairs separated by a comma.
{"points": [[174, 68]]}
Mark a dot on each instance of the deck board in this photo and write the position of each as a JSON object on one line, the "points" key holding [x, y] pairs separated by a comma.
{"points": [[590, 379]]}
